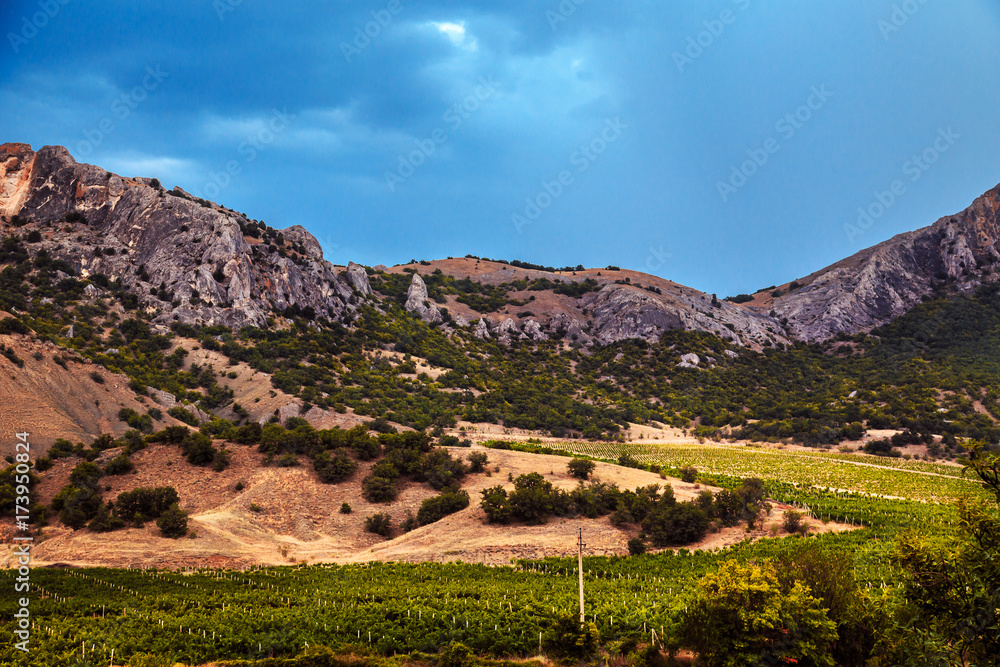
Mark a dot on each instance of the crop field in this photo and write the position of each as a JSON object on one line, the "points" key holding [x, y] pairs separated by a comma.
{"points": [[914, 480], [80, 616]]}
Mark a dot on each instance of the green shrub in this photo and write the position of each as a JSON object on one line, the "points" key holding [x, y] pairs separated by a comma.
{"points": [[438, 507], [478, 461], [145, 502], [378, 489], [581, 468], [173, 522], [380, 524], [334, 469], [182, 414], [119, 465], [345, 508]]}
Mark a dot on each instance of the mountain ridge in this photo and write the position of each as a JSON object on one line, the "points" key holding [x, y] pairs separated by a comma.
{"points": [[196, 262]]}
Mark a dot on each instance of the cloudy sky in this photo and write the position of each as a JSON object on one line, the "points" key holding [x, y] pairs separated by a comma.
{"points": [[725, 144]]}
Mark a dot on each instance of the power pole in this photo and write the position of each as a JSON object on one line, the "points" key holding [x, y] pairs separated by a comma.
{"points": [[580, 546]]}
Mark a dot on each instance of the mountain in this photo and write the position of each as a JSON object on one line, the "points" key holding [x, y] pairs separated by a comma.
{"points": [[188, 259], [196, 262], [878, 284], [192, 312]]}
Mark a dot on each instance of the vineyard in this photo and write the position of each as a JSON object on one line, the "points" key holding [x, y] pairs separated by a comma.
{"points": [[80, 616], [915, 480]]}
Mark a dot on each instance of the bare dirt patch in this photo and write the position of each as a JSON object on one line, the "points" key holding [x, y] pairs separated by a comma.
{"points": [[286, 515]]}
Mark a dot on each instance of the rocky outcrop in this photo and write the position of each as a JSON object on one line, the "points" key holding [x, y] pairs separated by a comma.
{"points": [[690, 360], [482, 329], [533, 330], [417, 301], [358, 277], [189, 260], [881, 283], [185, 259], [298, 236], [622, 312]]}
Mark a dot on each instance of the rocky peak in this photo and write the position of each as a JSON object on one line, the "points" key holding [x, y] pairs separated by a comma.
{"points": [[186, 259], [298, 235], [358, 277], [878, 284], [417, 301]]}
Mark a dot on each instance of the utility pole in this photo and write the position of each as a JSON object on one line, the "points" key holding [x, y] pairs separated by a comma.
{"points": [[580, 546]]}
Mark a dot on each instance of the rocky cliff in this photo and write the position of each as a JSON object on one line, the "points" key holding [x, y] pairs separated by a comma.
{"points": [[881, 283], [185, 259], [189, 260]]}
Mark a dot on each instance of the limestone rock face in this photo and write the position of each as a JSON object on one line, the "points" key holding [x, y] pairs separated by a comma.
{"points": [[690, 360], [621, 312], [417, 301], [482, 329], [533, 330], [507, 331], [298, 235], [186, 260], [358, 277], [883, 282]]}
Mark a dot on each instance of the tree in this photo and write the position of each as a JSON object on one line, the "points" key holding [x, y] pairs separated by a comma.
{"points": [[380, 524], [435, 509], [173, 523], [581, 468], [532, 500], [676, 524], [740, 615], [199, 450], [378, 489], [496, 505], [478, 461], [952, 587], [335, 469], [567, 639]]}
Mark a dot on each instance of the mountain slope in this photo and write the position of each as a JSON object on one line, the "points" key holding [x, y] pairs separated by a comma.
{"points": [[185, 259], [878, 284]]}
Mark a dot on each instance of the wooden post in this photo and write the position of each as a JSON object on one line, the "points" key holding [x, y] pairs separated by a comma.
{"points": [[580, 569]]}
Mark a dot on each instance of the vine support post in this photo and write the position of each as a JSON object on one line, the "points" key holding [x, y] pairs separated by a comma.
{"points": [[580, 546]]}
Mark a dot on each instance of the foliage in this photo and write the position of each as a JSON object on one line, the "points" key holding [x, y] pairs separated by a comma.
{"points": [[145, 503], [741, 615], [379, 523], [581, 468], [566, 638], [952, 585], [173, 522], [438, 507]]}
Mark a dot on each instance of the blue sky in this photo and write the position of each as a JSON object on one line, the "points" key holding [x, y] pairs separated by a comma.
{"points": [[725, 144]]}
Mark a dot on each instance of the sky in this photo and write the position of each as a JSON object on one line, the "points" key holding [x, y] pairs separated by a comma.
{"points": [[729, 145]]}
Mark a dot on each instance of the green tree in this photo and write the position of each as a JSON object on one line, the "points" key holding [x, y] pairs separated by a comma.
{"points": [[740, 615], [173, 522], [567, 639], [952, 585], [581, 468]]}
